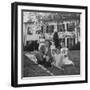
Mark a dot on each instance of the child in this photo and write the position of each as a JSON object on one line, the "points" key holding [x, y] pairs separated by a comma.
{"points": [[52, 47], [64, 53], [58, 60]]}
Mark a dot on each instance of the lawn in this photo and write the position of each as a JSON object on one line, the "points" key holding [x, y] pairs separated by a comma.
{"points": [[30, 69]]}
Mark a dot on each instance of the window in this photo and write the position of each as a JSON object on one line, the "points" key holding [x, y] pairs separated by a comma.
{"points": [[70, 26], [61, 28], [29, 31], [50, 29]]}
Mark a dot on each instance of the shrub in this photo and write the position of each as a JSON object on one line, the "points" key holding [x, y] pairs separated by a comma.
{"points": [[76, 46]]}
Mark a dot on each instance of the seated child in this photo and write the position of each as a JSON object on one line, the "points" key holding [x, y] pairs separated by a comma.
{"points": [[64, 53], [57, 59]]}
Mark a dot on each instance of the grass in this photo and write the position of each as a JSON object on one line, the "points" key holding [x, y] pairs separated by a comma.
{"points": [[30, 69]]}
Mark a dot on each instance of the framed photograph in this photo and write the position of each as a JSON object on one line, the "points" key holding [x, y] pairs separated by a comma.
{"points": [[49, 44]]}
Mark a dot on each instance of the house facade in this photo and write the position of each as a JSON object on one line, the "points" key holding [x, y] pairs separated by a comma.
{"points": [[68, 30]]}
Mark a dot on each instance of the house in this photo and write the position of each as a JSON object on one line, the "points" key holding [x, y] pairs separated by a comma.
{"points": [[67, 24], [68, 29]]}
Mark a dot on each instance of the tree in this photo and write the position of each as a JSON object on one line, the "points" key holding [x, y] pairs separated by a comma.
{"points": [[56, 39]]}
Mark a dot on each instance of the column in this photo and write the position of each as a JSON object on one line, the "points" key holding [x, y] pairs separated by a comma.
{"points": [[72, 41], [24, 33], [75, 33], [65, 23], [55, 27], [65, 41]]}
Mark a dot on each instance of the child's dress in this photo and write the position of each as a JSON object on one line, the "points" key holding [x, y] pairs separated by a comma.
{"points": [[64, 54], [58, 60]]}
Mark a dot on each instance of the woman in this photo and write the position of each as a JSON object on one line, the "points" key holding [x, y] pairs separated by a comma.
{"points": [[47, 53], [44, 56], [61, 58]]}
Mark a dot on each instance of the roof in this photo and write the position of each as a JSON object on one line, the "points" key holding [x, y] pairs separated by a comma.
{"points": [[29, 22], [64, 16]]}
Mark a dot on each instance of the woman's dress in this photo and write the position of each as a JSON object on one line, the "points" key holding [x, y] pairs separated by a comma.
{"points": [[62, 58]]}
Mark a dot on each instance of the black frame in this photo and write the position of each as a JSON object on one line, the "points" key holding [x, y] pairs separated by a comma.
{"points": [[14, 43]]}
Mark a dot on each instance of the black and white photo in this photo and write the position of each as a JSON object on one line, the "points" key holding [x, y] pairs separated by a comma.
{"points": [[50, 44]]}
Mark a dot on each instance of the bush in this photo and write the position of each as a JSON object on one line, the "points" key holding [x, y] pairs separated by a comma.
{"points": [[31, 46], [76, 47]]}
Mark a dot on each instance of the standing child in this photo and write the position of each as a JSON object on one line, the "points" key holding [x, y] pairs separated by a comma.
{"points": [[52, 47]]}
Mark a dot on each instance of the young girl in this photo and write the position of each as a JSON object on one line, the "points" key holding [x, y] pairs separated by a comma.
{"points": [[53, 48], [45, 53], [64, 54], [58, 60]]}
